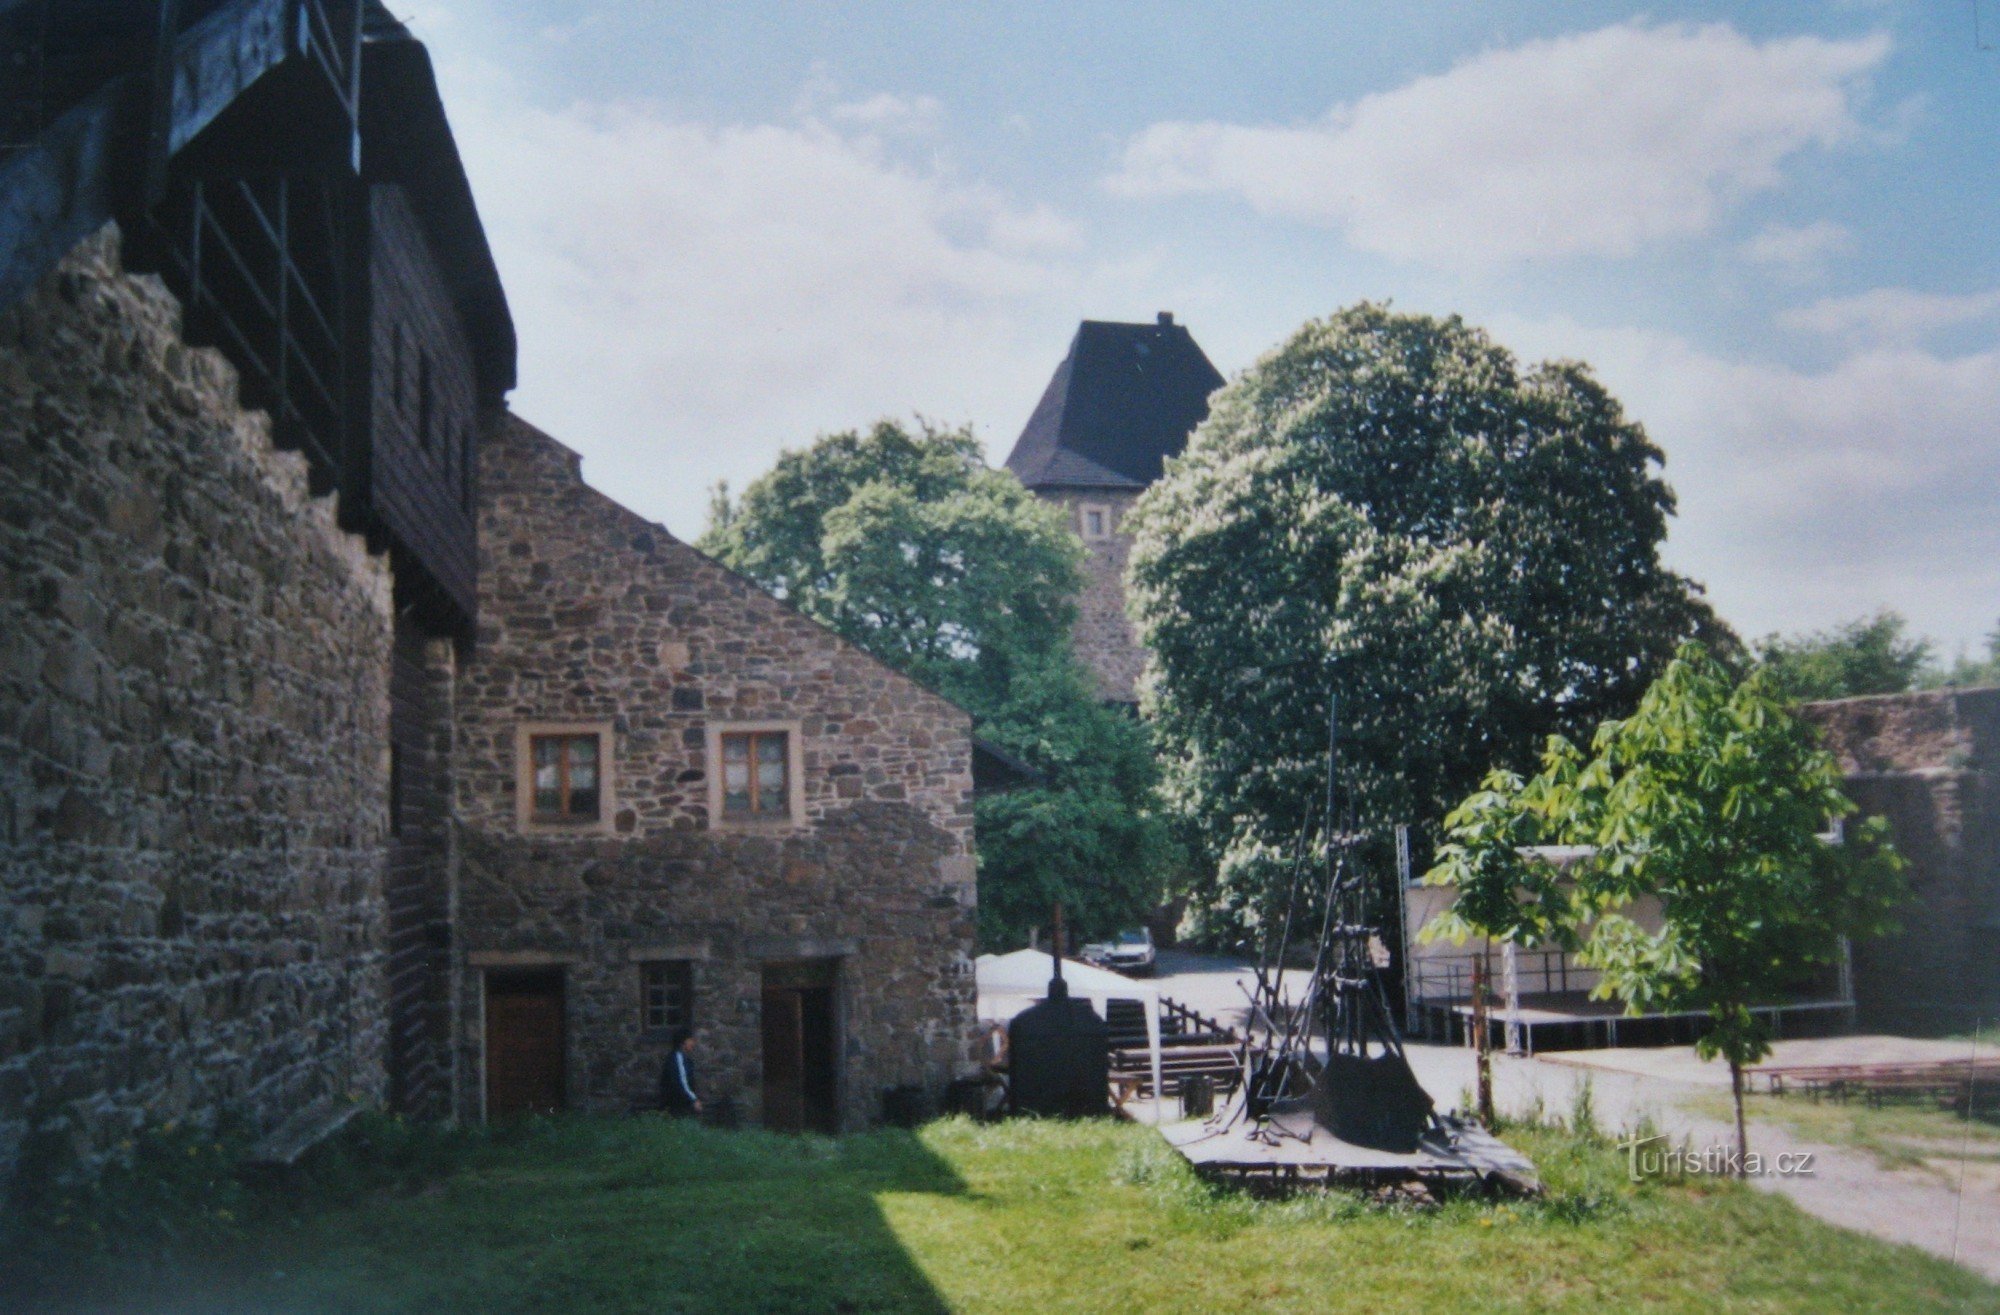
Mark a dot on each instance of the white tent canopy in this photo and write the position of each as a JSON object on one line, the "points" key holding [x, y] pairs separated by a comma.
{"points": [[1009, 983]]}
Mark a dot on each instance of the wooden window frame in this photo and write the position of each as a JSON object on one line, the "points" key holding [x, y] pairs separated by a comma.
{"points": [[675, 973], [794, 813], [754, 763], [526, 817]]}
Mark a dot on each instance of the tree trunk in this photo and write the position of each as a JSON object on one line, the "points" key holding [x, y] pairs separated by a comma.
{"points": [[1742, 1134]]}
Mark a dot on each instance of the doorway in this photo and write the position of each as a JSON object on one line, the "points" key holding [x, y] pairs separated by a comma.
{"points": [[801, 1046], [525, 1070]]}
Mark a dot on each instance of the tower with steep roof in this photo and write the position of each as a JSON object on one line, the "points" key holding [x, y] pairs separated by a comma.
{"points": [[1124, 399]]}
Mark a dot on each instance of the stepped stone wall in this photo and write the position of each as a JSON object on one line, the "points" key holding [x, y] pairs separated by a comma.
{"points": [[591, 615], [1930, 764], [193, 738]]}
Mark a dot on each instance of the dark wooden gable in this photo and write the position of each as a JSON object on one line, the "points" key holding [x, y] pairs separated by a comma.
{"points": [[286, 167], [423, 410]]}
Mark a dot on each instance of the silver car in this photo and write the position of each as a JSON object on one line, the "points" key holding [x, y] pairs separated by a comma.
{"points": [[1130, 951]]}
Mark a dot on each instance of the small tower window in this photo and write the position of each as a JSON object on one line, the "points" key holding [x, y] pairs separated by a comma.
{"points": [[1096, 522]]}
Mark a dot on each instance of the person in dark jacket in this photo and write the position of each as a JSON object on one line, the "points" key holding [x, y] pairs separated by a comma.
{"points": [[677, 1078]]}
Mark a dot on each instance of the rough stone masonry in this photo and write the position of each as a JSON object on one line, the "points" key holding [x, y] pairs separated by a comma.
{"points": [[193, 738], [591, 616], [1928, 762]]}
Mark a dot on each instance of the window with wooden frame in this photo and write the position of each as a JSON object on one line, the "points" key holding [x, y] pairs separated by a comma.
{"points": [[756, 774], [666, 994], [568, 778]]}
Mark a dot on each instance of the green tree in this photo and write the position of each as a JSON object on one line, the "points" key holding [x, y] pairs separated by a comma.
{"points": [[1388, 506], [1870, 655], [905, 542], [1710, 799]]}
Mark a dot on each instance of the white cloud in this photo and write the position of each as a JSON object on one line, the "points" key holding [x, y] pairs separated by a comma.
{"points": [[1597, 143], [886, 112], [693, 296], [1798, 246], [1809, 497], [1892, 315]]}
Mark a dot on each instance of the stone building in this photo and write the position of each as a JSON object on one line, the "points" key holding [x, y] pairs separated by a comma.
{"points": [[1930, 764], [1124, 399], [265, 852], [682, 803]]}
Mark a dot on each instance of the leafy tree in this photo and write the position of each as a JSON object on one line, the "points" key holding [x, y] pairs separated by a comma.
{"points": [[1870, 655], [1708, 799], [907, 544], [1388, 506]]}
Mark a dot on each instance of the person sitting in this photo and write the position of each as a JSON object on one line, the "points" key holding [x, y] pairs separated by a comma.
{"points": [[677, 1095]]}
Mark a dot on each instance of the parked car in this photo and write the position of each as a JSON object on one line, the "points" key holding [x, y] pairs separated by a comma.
{"points": [[1130, 951]]}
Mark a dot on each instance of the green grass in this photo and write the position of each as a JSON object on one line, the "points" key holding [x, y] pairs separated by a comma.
{"points": [[579, 1215], [1899, 1135]]}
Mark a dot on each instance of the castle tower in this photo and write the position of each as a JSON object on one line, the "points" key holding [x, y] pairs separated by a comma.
{"points": [[1124, 400]]}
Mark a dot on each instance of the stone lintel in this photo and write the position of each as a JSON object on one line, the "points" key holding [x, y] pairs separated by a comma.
{"points": [[671, 950], [796, 947], [522, 958]]}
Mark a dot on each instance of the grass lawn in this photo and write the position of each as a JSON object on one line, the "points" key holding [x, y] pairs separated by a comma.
{"points": [[578, 1215], [1899, 1134]]}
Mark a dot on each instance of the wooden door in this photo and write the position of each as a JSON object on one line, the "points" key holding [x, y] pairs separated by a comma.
{"points": [[801, 1046], [784, 1061], [524, 1043]]}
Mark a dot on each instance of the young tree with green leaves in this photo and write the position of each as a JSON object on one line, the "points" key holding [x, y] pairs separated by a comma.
{"points": [[1712, 799], [907, 544], [1390, 506]]}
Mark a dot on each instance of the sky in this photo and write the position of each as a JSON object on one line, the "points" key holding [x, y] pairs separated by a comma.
{"points": [[1771, 230]]}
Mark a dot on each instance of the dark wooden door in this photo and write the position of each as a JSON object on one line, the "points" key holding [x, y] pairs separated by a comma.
{"points": [[801, 1050], [524, 1043], [784, 1061]]}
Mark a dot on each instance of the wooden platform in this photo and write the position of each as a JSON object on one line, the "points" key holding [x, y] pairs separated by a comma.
{"points": [[1295, 1149]]}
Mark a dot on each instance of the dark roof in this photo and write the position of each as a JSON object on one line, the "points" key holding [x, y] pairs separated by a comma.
{"points": [[406, 139], [995, 771], [1124, 400]]}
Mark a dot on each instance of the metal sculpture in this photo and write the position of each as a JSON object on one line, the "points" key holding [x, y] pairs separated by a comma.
{"points": [[1328, 1092]]}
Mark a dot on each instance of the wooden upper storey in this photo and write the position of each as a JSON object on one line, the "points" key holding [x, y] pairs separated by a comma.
{"points": [[286, 167]]}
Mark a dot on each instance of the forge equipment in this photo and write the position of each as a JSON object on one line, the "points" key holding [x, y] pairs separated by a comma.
{"points": [[1329, 1094]]}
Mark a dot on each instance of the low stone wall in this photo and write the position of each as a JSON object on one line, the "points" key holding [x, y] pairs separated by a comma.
{"points": [[193, 737], [1930, 764]]}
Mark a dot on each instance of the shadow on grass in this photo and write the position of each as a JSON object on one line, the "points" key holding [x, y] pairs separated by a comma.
{"points": [[570, 1214]]}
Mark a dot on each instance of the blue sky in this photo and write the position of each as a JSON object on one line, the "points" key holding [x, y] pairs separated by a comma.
{"points": [[1771, 228]]}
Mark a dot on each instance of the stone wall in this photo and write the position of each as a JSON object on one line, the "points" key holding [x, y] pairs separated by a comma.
{"points": [[591, 614], [1930, 764], [1103, 635], [193, 737]]}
